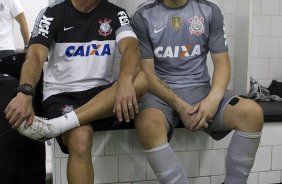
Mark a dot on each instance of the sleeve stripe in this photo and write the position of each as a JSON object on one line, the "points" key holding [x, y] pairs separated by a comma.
{"points": [[125, 34]]}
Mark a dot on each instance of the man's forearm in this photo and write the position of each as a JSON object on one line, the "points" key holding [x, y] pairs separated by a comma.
{"points": [[130, 63], [160, 89], [33, 65], [221, 75]]}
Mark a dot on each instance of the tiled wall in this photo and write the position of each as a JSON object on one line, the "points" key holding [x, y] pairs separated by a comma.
{"points": [[267, 41], [118, 158]]}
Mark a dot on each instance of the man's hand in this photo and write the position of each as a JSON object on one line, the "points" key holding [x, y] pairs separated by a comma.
{"points": [[206, 111], [126, 104], [186, 113], [19, 110]]}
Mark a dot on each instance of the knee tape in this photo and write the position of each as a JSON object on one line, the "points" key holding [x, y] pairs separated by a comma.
{"points": [[234, 101]]}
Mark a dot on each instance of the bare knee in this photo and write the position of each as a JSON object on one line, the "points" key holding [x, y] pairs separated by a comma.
{"points": [[248, 116], [79, 142], [151, 128]]}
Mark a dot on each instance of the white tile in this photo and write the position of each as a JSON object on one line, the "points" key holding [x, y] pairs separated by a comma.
{"points": [[253, 178], [57, 171], [270, 7], [217, 179], [255, 46], [137, 147], [280, 8], [230, 85], [231, 46], [98, 146], [200, 180], [223, 143], [261, 25], [212, 162], [63, 171], [106, 169], [269, 177], [271, 134], [275, 68], [232, 68], [190, 162], [263, 159], [259, 68], [210, 66], [118, 142], [198, 141], [269, 47], [276, 25], [280, 46], [228, 6], [256, 6], [233, 24], [276, 157], [48, 167], [48, 151], [178, 141], [132, 167], [265, 82], [228, 23]]}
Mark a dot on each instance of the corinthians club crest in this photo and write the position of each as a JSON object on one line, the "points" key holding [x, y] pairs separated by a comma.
{"points": [[197, 26], [105, 27]]}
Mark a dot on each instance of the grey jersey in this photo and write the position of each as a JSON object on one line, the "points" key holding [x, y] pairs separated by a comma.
{"points": [[179, 39]]}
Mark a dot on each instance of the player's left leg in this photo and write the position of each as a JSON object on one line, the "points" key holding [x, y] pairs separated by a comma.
{"points": [[99, 107], [245, 117]]}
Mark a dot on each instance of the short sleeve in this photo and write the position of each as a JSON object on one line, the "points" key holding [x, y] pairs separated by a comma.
{"points": [[217, 36], [44, 29], [123, 28], [140, 28], [16, 8]]}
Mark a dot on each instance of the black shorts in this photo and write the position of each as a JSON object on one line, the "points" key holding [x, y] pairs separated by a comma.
{"points": [[60, 104]]}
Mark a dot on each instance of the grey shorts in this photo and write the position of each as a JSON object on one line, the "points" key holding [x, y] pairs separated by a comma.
{"points": [[191, 95]]}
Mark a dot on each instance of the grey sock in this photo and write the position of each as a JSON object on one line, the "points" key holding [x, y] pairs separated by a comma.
{"points": [[240, 156], [165, 164]]}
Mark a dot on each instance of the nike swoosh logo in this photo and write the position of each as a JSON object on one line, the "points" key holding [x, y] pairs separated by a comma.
{"points": [[67, 28], [159, 30]]}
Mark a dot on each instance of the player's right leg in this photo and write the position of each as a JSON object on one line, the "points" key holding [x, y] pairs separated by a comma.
{"points": [[152, 129]]}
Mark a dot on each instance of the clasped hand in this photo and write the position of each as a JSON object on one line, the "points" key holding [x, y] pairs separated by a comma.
{"points": [[199, 116]]}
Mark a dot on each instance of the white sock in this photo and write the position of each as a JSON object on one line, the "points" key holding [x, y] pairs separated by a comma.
{"points": [[63, 124]]}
